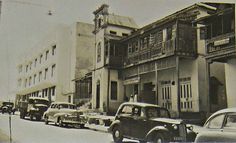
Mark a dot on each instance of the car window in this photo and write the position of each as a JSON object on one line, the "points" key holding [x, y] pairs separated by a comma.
{"points": [[216, 122], [126, 110], [230, 121], [155, 112], [136, 111]]}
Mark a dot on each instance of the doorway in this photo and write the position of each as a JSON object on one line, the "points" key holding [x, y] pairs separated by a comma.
{"points": [[98, 96]]}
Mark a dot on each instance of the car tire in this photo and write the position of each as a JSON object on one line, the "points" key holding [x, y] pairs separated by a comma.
{"points": [[117, 134], [159, 138], [81, 126], [31, 117], [46, 119], [59, 122], [38, 118]]}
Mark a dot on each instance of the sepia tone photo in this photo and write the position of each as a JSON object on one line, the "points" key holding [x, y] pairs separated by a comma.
{"points": [[117, 71]]}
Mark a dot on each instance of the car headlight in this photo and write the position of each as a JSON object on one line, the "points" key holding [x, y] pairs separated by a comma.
{"points": [[175, 127], [66, 115]]}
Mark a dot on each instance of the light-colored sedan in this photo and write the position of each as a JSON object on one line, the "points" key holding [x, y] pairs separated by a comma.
{"points": [[219, 127], [64, 114]]}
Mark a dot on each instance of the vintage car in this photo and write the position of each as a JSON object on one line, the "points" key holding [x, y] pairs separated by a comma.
{"points": [[146, 123], [7, 107], [34, 108], [63, 114], [219, 127]]}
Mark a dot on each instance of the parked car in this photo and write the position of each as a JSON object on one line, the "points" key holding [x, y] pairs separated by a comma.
{"points": [[33, 108], [8, 107], [64, 114], [219, 127], [146, 123]]}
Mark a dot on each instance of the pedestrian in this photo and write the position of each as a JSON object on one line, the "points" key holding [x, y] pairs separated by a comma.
{"points": [[131, 99], [135, 97]]}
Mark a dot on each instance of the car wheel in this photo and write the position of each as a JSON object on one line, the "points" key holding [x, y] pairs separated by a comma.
{"points": [[117, 134], [81, 126], [31, 117], [38, 118], [60, 123], [46, 120], [159, 138]]}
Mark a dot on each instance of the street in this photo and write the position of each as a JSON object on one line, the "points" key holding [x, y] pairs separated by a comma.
{"points": [[26, 131]]}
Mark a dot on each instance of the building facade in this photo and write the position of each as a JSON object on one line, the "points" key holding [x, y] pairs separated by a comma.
{"points": [[218, 30], [107, 86], [163, 63], [49, 71]]}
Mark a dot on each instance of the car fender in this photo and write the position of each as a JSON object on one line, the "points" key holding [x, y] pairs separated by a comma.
{"points": [[113, 124], [156, 129], [59, 114]]}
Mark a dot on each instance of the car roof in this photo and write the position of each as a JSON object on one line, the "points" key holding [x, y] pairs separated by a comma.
{"points": [[62, 103], [40, 98], [140, 104], [227, 110]]}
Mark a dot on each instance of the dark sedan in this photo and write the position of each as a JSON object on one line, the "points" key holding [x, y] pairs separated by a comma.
{"points": [[219, 127], [146, 123]]}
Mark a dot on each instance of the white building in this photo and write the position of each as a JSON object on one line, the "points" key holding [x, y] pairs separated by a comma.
{"points": [[49, 69]]}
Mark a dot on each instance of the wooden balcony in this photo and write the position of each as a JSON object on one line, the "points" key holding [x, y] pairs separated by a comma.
{"points": [[114, 61], [222, 46]]}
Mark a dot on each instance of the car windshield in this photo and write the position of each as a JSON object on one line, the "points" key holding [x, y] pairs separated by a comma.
{"points": [[67, 106], [41, 101], [156, 112], [7, 103]]}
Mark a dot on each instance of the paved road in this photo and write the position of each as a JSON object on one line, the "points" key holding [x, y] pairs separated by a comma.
{"points": [[26, 131]]}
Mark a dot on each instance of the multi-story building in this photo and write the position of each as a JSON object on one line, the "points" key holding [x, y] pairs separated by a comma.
{"points": [[163, 63], [50, 70], [107, 86], [218, 31]]}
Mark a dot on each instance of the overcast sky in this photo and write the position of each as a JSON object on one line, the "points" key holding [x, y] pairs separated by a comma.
{"points": [[24, 23]]}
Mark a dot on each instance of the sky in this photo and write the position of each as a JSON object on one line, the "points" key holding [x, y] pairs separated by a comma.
{"points": [[24, 23]]}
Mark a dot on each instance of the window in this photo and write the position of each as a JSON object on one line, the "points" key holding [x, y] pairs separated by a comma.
{"points": [[169, 33], [54, 49], [230, 121], [113, 32], [45, 73], [113, 90], [126, 110], [40, 59], [30, 80], [46, 56], [53, 90], [34, 78], [25, 82], [124, 34], [30, 65], [53, 70], [26, 68], [35, 62], [40, 75], [99, 52], [216, 122]]}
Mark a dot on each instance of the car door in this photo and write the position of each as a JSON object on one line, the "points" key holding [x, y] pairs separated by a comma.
{"points": [[213, 130], [52, 111], [229, 128], [125, 117], [139, 123]]}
